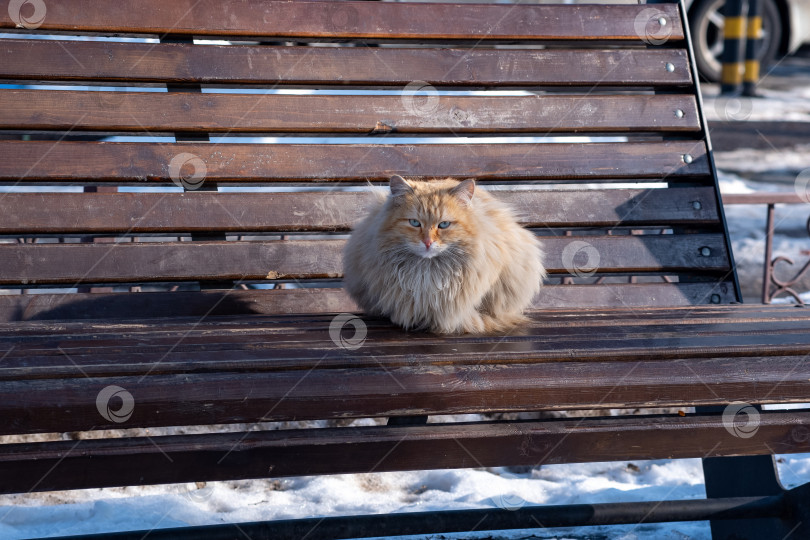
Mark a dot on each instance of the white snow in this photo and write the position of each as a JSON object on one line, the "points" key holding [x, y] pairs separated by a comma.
{"points": [[89, 511], [166, 506], [791, 105], [791, 160]]}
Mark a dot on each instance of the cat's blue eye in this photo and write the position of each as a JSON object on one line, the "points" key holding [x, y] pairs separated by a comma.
{"points": [[444, 224], [414, 222]]}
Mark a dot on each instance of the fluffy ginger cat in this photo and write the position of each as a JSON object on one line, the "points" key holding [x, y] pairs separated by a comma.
{"points": [[443, 256]]}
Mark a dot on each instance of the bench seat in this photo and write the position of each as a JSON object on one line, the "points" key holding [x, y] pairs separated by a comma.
{"points": [[287, 368]]}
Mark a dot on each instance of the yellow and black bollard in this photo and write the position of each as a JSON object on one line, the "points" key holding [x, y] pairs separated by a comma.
{"points": [[753, 42], [733, 36]]}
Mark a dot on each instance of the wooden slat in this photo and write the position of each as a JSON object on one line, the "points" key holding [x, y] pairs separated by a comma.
{"points": [[98, 348], [40, 350], [300, 324], [47, 161], [164, 112], [21, 307], [424, 387], [207, 261], [88, 464], [632, 295], [140, 213], [72, 264], [369, 20], [343, 66], [290, 322]]}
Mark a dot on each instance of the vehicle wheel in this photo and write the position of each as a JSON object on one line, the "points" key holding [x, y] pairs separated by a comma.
{"points": [[706, 25]]}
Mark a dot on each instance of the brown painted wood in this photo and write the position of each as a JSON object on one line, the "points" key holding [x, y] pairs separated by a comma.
{"points": [[642, 316], [560, 316], [420, 388], [23, 307], [231, 113], [19, 307], [195, 261], [635, 295], [59, 350], [65, 349], [140, 213], [352, 19], [343, 66], [72, 264], [139, 461], [292, 326], [46, 161]]}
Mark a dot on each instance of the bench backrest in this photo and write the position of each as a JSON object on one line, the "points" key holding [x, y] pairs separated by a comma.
{"points": [[631, 216]]}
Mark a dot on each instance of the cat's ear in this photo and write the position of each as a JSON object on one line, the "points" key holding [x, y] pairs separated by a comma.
{"points": [[399, 186], [464, 191]]}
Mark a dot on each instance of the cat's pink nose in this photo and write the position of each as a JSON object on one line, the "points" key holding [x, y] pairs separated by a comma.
{"points": [[427, 242]]}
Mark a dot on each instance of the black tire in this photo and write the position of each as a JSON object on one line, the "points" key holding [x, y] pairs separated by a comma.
{"points": [[707, 36]]}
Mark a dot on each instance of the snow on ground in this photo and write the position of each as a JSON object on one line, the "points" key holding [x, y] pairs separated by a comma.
{"points": [[90, 511], [786, 105], [746, 225], [758, 161], [784, 96], [159, 507]]}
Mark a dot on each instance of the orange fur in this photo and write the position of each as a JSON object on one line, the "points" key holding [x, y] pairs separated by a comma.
{"points": [[476, 274]]}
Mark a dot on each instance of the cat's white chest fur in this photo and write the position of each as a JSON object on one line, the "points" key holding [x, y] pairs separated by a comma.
{"points": [[429, 274]]}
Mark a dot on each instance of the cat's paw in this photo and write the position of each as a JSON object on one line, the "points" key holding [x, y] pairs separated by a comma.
{"points": [[473, 324], [503, 323]]}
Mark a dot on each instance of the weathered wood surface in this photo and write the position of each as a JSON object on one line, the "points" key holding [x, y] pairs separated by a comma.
{"points": [[228, 456], [141, 213], [21, 307], [147, 112], [343, 66], [296, 21], [71, 264], [120, 162], [52, 373]]}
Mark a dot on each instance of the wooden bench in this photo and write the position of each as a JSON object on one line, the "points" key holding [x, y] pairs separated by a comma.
{"points": [[200, 307]]}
